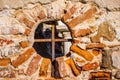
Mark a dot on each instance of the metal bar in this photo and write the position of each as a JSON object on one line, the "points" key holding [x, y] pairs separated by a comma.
{"points": [[101, 79], [49, 40], [53, 42]]}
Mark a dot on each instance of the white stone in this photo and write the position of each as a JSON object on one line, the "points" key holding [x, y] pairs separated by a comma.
{"points": [[109, 4], [117, 33], [20, 3], [67, 44], [55, 10], [82, 46], [116, 59], [85, 40], [9, 23]]}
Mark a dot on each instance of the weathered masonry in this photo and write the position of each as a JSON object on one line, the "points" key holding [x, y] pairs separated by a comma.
{"points": [[94, 53]]}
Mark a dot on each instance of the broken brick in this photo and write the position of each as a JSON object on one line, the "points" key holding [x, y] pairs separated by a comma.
{"points": [[95, 52], [3, 41], [27, 31], [80, 32], [24, 44], [87, 15], [90, 66], [69, 13], [79, 60], [41, 15], [4, 61], [95, 39], [95, 45]]}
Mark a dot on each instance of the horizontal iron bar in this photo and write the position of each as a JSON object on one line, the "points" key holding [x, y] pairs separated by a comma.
{"points": [[101, 78], [50, 40]]}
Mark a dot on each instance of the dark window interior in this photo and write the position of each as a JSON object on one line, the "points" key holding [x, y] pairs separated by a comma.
{"points": [[45, 48]]}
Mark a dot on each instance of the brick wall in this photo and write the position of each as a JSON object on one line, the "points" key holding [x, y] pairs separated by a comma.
{"points": [[94, 26]]}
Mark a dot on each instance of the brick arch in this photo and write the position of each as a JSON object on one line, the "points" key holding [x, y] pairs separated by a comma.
{"points": [[28, 62]]}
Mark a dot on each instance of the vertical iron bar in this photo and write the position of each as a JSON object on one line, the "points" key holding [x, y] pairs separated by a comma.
{"points": [[53, 42]]}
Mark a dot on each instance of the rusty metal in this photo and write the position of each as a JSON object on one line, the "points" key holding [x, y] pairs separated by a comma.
{"points": [[100, 79], [50, 40], [53, 42]]}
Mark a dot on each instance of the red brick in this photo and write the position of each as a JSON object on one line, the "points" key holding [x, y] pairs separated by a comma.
{"points": [[2, 41], [26, 21], [73, 66], [23, 57], [90, 66], [37, 13], [24, 44], [69, 13], [27, 31], [81, 32], [95, 39], [33, 66], [95, 52], [80, 60], [49, 78], [4, 61], [84, 53], [87, 15], [44, 67], [100, 75], [95, 45], [41, 15]]}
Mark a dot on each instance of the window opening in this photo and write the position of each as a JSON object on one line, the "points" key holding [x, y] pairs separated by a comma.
{"points": [[47, 41]]}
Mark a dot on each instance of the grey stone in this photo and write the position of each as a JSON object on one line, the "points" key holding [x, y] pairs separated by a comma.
{"points": [[106, 59], [117, 75]]}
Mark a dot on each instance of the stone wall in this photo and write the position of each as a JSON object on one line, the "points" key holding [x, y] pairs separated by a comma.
{"points": [[94, 26]]}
